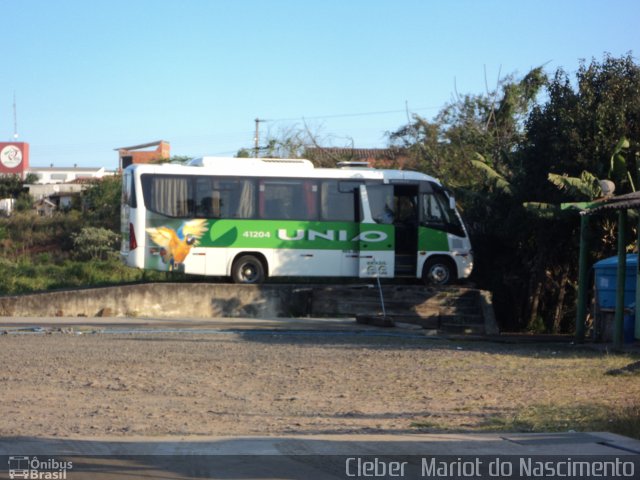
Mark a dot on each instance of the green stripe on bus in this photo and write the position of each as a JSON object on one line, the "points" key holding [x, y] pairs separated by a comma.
{"points": [[432, 240], [298, 235]]}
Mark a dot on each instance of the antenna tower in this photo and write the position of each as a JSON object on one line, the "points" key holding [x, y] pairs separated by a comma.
{"points": [[15, 118]]}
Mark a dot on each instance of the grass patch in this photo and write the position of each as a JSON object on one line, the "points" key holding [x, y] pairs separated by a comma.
{"points": [[544, 418], [579, 418], [27, 276]]}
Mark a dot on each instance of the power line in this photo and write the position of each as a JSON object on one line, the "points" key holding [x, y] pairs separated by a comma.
{"points": [[344, 115]]}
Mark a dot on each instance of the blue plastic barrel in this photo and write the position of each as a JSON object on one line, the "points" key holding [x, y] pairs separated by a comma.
{"points": [[606, 272], [606, 278]]}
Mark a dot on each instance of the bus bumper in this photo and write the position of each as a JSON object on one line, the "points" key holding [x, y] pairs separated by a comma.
{"points": [[464, 262]]}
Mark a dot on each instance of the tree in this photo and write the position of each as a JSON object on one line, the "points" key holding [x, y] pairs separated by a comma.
{"points": [[577, 128], [473, 146], [299, 142], [11, 186], [24, 202], [287, 143], [508, 152], [575, 139], [101, 203], [474, 135]]}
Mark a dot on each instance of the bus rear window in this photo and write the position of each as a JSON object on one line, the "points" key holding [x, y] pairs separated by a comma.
{"points": [[128, 190]]}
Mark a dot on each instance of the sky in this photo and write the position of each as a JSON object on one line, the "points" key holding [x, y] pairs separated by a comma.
{"points": [[91, 76]]}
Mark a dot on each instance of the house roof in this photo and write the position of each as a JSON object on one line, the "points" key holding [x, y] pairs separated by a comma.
{"points": [[143, 145], [65, 169], [44, 201], [619, 202], [357, 153], [86, 180]]}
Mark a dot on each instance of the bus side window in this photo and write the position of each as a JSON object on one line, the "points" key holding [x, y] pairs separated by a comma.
{"points": [[168, 195], [311, 199], [243, 205], [337, 200], [204, 200], [216, 204], [381, 203], [229, 198], [279, 201], [288, 199]]}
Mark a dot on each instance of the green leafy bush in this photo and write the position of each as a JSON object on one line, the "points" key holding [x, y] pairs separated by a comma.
{"points": [[95, 243]]}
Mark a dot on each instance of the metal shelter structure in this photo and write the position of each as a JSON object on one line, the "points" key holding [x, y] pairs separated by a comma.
{"points": [[619, 204]]}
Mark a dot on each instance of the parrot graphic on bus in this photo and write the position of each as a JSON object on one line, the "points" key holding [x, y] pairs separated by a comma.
{"points": [[175, 245]]}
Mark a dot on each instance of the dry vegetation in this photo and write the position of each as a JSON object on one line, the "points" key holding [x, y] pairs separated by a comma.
{"points": [[269, 384]]}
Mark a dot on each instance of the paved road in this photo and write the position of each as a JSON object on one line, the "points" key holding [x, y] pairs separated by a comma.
{"points": [[318, 457], [308, 457], [11, 323]]}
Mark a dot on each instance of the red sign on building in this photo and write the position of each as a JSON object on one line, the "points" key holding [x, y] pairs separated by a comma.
{"points": [[14, 158]]}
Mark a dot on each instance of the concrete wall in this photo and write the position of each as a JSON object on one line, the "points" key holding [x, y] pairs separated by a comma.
{"points": [[163, 300], [447, 308]]}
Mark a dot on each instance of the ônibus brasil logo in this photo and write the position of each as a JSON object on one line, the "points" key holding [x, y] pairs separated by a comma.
{"points": [[31, 467]]}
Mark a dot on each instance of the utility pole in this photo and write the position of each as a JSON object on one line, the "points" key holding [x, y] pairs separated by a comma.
{"points": [[256, 138]]}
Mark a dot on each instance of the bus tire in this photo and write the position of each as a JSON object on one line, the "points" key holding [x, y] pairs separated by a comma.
{"points": [[439, 270], [248, 269]]}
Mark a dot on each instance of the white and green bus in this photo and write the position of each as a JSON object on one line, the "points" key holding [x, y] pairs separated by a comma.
{"points": [[254, 218]]}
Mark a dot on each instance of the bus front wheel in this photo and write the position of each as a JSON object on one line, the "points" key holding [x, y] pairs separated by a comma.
{"points": [[248, 269], [439, 271]]}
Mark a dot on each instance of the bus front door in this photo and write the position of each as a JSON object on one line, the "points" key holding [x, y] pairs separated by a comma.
{"points": [[406, 222], [376, 237]]}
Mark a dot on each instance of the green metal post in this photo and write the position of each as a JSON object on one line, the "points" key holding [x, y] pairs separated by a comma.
{"points": [[637, 331], [620, 284], [583, 277]]}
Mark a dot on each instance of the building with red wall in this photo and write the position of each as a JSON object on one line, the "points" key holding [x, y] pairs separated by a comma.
{"points": [[14, 158], [143, 153]]}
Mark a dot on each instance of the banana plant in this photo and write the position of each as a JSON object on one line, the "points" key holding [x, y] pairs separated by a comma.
{"points": [[618, 168], [586, 185], [491, 174]]}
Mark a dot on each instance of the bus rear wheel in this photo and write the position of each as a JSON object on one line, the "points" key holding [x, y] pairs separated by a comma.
{"points": [[248, 269], [439, 271]]}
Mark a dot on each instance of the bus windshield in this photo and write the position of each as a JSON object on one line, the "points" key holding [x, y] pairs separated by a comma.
{"points": [[438, 214]]}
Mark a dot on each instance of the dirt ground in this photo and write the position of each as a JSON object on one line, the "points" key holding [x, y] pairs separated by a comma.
{"points": [[281, 383]]}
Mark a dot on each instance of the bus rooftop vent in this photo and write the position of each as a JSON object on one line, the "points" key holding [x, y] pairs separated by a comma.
{"points": [[219, 161], [353, 164], [288, 161]]}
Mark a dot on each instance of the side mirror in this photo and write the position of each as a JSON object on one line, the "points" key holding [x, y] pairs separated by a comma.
{"points": [[452, 203]]}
